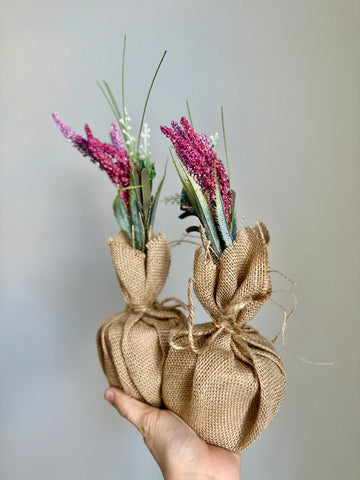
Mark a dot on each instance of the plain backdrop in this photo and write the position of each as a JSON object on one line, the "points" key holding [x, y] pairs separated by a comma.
{"points": [[287, 74]]}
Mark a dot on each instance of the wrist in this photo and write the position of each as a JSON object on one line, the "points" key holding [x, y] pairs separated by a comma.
{"points": [[200, 476], [213, 472]]}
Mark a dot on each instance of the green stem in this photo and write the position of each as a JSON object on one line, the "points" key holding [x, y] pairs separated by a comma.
{"points": [[226, 154], [147, 99], [188, 109], [123, 79]]}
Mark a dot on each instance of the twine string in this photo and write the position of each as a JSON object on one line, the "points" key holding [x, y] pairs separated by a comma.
{"points": [[159, 309], [283, 328], [286, 318], [225, 322]]}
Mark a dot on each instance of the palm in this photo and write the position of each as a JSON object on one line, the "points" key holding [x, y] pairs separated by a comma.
{"points": [[179, 450]]}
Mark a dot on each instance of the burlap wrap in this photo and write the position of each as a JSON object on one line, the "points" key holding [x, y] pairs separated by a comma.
{"points": [[132, 345], [222, 378], [230, 388]]}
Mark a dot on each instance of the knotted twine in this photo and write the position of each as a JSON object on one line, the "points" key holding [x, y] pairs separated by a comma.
{"points": [[132, 344]]}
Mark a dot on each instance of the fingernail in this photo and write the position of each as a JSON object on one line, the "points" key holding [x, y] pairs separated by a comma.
{"points": [[110, 396]]}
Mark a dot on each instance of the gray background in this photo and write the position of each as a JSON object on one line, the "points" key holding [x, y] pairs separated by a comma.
{"points": [[287, 73]]}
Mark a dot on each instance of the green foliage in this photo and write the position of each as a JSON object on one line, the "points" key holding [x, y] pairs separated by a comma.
{"points": [[232, 216], [220, 216], [142, 205], [145, 193], [137, 222], [148, 96], [224, 137], [200, 205], [155, 201], [234, 225], [188, 110], [122, 216]]}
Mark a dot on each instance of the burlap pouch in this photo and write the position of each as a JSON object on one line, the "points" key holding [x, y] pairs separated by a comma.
{"points": [[133, 344], [223, 378]]}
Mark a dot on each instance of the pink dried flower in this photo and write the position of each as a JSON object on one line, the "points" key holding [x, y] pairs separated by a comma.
{"points": [[113, 158], [116, 136], [196, 154]]}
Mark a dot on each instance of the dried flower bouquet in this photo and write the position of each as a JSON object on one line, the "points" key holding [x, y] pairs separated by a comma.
{"points": [[222, 377]]}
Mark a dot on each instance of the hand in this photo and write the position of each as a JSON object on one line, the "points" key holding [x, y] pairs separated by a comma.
{"points": [[178, 450]]}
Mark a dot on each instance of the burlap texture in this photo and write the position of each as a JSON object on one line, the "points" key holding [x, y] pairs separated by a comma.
{"points": [[230, 388], [223, 378], [132, 344]]}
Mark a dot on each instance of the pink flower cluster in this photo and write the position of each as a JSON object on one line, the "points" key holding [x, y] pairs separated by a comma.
{"points": [[113, 158], [195, 152]]}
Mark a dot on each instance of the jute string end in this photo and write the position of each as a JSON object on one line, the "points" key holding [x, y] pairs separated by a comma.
{"points": [[285, 322]]}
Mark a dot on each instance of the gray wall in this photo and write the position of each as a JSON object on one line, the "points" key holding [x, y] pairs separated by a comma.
{"points": [[287, 73]]}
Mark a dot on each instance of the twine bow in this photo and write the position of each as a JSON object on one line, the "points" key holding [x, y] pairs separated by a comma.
{"points": [[225, 322]]}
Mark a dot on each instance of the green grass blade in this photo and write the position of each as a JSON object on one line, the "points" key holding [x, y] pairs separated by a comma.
{"points": [[226, 153], [109, 102], [207, 217], [136, 182], [187, 187], [146, 193], [234, 226], [188, 109], [135, 217], [221, 221], [123, 77], [147, 98], [130, 187], [112, 98], [155, 201], [232, 213]]}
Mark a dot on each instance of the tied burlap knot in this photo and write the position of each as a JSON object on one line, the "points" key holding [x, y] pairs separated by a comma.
{"points": [[132, 344], [231, 288], [223, 378], [224, 322]]}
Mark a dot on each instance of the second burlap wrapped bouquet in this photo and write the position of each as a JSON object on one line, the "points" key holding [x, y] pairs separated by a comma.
{"points": [[223, 378]]}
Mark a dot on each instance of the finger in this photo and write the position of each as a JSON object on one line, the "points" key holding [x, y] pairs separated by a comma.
{"points": [[130, 408]]}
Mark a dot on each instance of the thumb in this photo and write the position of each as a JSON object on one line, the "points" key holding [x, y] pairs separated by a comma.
{"points": [[136, 412]]}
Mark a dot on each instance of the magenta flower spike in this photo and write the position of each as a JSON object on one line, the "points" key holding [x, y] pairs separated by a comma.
{"points": [[196, 154], [113, 158]]}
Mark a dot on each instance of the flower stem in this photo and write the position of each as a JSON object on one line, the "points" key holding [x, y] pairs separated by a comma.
{"points": [[226, 154], [188, 109], [147, 98], [123, 78]]}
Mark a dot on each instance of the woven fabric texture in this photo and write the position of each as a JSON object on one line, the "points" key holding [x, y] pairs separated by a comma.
{"points": [[132, 345], [221, 377]]}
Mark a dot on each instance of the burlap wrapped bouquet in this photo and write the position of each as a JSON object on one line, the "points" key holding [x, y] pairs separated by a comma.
{"points": [[132, 345], [223, 378]]}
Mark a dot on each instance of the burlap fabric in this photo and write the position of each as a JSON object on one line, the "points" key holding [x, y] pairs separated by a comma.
{"points": [[132, 345], [222, 378]]}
